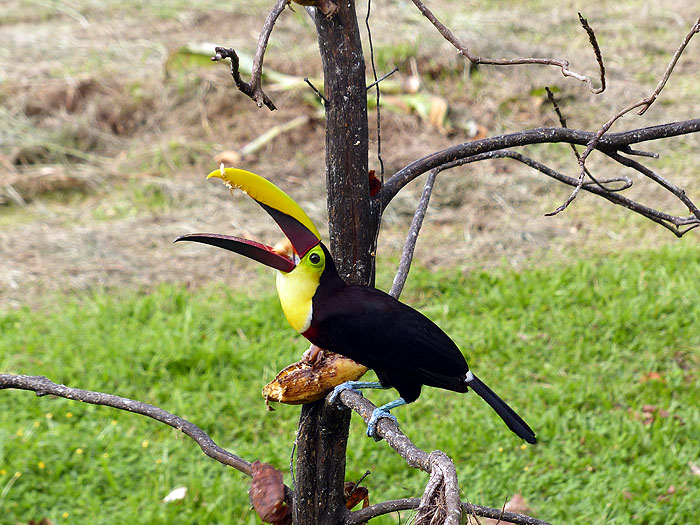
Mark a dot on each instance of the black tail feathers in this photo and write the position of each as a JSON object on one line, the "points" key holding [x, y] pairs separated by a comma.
{"points": [[507, 414]]}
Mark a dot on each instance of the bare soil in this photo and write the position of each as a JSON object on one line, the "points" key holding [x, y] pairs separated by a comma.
{"points": [[105, 138]]}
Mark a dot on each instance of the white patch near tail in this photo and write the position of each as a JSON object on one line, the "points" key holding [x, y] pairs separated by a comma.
{"points": [[469, 378]]}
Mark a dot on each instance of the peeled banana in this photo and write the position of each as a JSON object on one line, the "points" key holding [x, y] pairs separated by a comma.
{"points": [[310, 379]]}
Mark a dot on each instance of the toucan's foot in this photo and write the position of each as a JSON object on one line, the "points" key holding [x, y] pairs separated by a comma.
{"points": [[334, 396], [350, 385], [377, 414]]}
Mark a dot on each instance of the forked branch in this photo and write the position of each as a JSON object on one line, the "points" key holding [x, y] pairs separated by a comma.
{"points": [[643, 104], [562, 64], [253, 89], [612, 145]]}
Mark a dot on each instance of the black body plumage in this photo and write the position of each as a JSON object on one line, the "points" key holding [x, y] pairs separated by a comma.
{"points": [[404, 348]]}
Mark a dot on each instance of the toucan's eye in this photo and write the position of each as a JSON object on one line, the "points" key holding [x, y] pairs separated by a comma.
{"points": [[314, 258]]}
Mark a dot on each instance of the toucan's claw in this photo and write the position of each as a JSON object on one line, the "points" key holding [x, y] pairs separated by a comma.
{"points": [[377, 414]]}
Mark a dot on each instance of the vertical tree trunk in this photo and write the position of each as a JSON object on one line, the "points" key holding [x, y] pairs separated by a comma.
{"points": [[353, 223]]}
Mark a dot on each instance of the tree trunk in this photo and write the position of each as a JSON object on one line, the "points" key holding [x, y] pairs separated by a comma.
{"points": [[353, 224]]}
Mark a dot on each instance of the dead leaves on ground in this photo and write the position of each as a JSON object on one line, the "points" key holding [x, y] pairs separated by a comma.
{"points": [[652, 413]]}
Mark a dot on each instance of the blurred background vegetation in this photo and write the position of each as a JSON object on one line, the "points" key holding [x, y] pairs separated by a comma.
{"points": [[110, 116]]}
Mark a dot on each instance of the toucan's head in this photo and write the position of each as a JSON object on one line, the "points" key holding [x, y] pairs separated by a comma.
{"points": [[300, 267]]}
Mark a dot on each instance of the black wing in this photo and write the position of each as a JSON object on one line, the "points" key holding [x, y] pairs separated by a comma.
{"points": [[405, 348]]}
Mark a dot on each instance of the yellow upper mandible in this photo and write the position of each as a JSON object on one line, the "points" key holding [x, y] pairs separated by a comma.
{"points": [[264, 192]]}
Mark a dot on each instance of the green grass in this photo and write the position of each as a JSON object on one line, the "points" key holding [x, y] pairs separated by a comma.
{"points": [[567, 346]]}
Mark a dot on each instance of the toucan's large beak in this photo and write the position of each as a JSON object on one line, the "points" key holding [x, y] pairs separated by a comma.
{"points": [[288, 215]]}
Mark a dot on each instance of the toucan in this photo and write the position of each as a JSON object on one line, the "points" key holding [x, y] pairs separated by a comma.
{"points": [[404, 348]]}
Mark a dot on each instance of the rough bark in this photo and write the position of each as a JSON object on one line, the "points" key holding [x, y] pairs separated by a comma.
{"points": [[353, 223]]}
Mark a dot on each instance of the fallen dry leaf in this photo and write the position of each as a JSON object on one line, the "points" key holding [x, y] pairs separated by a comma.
{"points": [[694, 469], [651, 376], [267, 495]]}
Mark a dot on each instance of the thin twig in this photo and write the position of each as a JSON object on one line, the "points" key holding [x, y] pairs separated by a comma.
{"points": [[383, 77], [562, 64], [377, 96], [667, 185], [410, 245], [650, 100], [562, 121], [644, 104], [43, 386], [387, 507], [253, 88], [315, 90]]}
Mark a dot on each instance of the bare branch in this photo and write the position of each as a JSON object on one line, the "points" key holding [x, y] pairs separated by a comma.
{"points": [[440, 502], [387, 507], [644, 104], [383, 77], [315, 90], [562, 64], [253, 89], [412, 238], [43, 386], [609, 144], [641, 168], [670, 222], [562, 121], [436, 463]]}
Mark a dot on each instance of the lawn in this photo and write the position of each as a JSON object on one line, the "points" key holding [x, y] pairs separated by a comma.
{"points": [[600, 357]]}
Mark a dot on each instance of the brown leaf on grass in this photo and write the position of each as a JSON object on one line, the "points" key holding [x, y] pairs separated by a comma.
{"points": [[652, 376], [267, 495], [651, 412], [670, 492], [694, 469]]}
